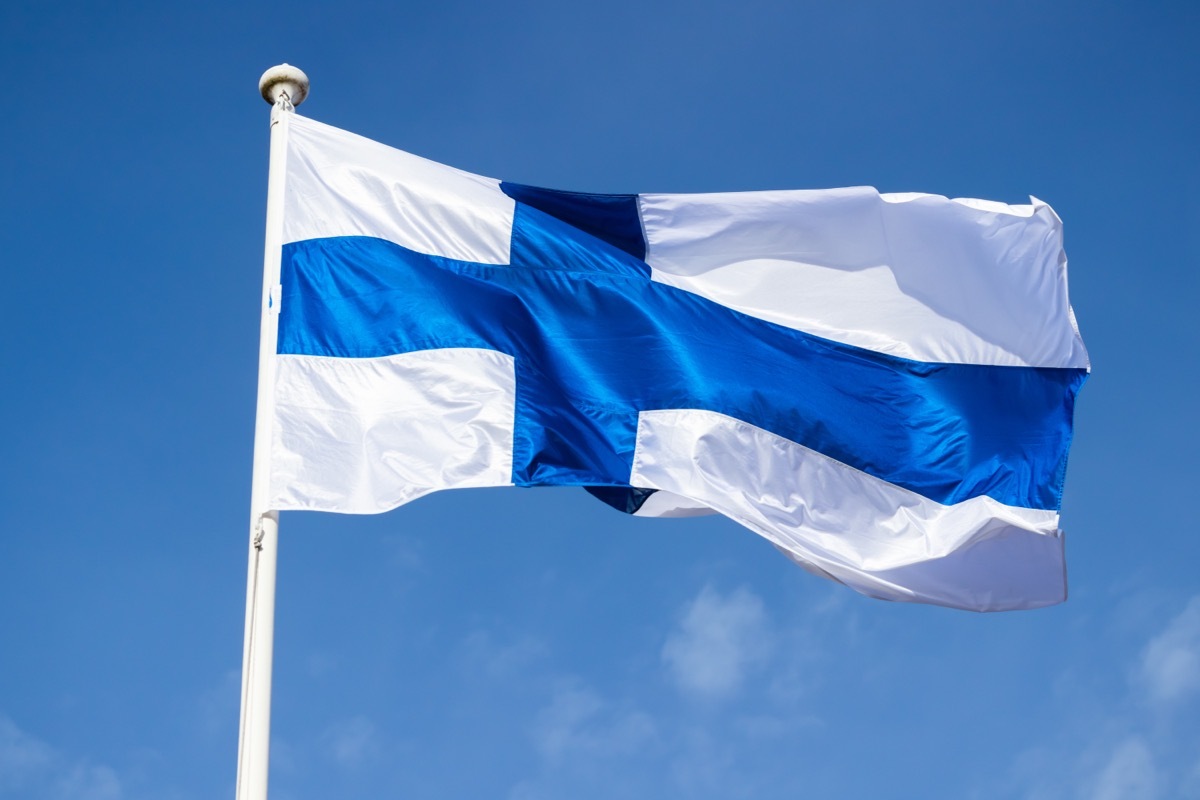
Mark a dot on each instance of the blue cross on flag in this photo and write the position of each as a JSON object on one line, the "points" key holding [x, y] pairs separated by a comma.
{"points": [[882, 385]]}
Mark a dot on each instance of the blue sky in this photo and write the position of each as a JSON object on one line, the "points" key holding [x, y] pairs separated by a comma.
{"points": [[532, 643]]}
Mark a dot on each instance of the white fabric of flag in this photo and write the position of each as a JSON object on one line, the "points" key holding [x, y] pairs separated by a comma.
{"points": [[881, 385]]}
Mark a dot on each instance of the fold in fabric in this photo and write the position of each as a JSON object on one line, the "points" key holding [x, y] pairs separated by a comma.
{"points": [[881, 385]]}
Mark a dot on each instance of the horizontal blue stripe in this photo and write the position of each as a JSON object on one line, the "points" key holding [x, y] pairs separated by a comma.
{"points": [[595, 341]]}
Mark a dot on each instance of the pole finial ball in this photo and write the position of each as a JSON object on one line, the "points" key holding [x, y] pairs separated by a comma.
{"points": [[284, 78]]}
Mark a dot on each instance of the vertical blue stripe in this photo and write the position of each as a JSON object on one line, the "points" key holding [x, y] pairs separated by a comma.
{"points": [[611, 218]]}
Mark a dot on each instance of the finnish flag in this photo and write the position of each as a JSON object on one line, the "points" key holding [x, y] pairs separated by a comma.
{"points": [[881, 385]]}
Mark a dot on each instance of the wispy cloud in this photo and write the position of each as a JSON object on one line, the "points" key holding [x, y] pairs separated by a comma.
{"points": [[404, 553], [30, 767], [22, 757], [579, 722], [589, 746], [1123, 747], [719, 638], [218, 706], [1169, 669], [352, 742], [1128, 774], [605, 737], [483, 653]]}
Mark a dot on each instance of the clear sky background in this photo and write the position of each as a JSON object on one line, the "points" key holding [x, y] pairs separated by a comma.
{"points": [[533, 643]]}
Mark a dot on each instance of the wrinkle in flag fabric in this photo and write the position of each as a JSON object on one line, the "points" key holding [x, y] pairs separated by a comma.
{"points": [[882, 386]]}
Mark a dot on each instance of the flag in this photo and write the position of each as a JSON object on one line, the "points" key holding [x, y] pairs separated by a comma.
{"points": [[881, 385]]}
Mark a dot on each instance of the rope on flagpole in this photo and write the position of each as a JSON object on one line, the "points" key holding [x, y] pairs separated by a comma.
{"points": [[248, 666]]}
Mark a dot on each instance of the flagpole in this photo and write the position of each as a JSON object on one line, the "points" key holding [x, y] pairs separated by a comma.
{"points": [[284, 87]]}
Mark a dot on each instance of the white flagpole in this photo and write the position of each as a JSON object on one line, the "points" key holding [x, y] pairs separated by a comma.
{"points": [[284, 87]]}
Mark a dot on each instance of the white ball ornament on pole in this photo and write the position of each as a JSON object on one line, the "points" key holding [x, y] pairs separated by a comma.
{"points": [[284, 79]]}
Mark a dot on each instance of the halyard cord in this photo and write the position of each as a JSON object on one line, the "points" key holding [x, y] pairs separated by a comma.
{"points": [[258, 540]]}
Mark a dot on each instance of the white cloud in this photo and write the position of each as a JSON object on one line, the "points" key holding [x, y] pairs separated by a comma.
{"points": [[352, 741], [22, 757], [404, 553], [482, 653], [31, 767], [90, 781], [219, 705], [286, 758], [1119, 746], [718, 640], [763, 727], [630, 739], [1190, 785], [322, 664], [1129, 774], [579, 722], [558, 727], [704, 766], [1169, 669]]}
